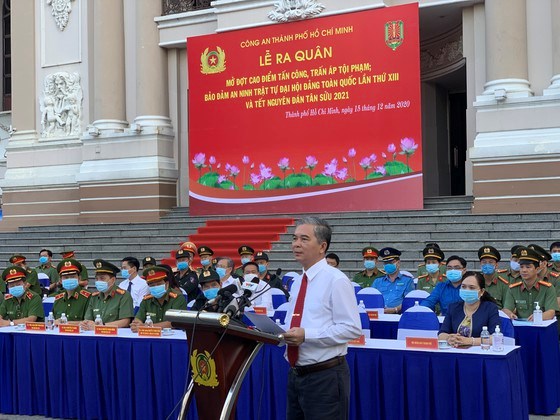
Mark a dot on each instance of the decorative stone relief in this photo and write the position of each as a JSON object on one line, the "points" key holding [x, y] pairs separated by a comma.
{"points": [[61, 105], [61, 12], [441, 53], [289, 10]]}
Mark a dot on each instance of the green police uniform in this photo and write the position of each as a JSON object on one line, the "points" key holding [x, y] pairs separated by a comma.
{"points": [[427, 283], [113, 305], [367, 281], [73, 304], [498, 287], [30, 304], [33, 280], [522, 300], [49, 271], [512, 276], [173, 299], [243, 250]]}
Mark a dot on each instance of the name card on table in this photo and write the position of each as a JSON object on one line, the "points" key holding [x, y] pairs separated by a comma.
{"points": [[372, 314], [105, 330], [261, 310], [69, 329], [421, 343], [360, 341], [149, 332], [35, 326]]}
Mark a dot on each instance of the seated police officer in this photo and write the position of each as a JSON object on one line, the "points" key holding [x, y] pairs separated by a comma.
{"points": [[19, 305], [209, 283], [74, 300], [394, 285]]}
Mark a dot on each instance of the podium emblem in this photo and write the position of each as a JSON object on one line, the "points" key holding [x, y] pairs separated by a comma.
{"points": [[204, 369]]}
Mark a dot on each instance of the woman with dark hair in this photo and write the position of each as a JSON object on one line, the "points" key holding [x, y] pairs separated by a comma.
{"points": [[464, 320]]}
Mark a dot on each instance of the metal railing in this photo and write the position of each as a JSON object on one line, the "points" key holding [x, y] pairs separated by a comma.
{"points": [[170, 7]]}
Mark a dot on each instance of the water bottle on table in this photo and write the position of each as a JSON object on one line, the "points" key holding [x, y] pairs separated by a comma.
{"points": [[63, 319], [485, 339], [497, 340], [149, 322], [362, 304], [537, 314], [98, 320], [49, 322]]}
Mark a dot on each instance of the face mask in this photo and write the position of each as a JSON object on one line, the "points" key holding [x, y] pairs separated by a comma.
{"points": [[390, 268], [221, 272], [205, 262], [158, 291], [102, 286], [183, 265], [245, 260], [249, 277], [211, 293], [514, 265], [432, 268], [469, 296], [454, 275], [43, 260], [125, 273], [262, 268], [555, 256], [70, 284], [16, 291], [487, 269], [369, 265]]}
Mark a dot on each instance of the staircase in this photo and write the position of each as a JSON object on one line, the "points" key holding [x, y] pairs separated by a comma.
{"points": [[445, 220]]}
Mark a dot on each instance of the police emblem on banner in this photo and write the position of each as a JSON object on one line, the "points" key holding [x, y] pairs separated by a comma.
{"points": [[394, 34], [212, 62], [204, 369]]}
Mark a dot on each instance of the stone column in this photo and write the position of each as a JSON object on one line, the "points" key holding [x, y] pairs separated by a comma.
{"points": [[506, 50], [554, 88], [109, 103], [152, 98]]}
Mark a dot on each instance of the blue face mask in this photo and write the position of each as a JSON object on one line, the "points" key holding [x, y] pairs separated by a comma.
{"points": [[43, 260], [221, 271], [454, 275], [183, 265], [555, 256], [16, 291], [262, 268], [514, 265], [124, 273], [469, 296], [432, 268], [102, 286], [488, 269], [390, 268], [70, 284], [205, 262], [211, 293], [157, 291], [369, 264], [245, 260]]}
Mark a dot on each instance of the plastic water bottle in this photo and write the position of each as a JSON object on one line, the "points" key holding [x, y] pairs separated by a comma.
{"points": [[416, 303], [49, 322], [497, 340], [44, 296], [362, 304], [149, 322], [63, 319], [485, 339], [537, 314], [98, 320], [278, 322]]}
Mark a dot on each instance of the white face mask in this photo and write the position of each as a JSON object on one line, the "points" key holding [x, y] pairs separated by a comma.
{"points": [[249, 277]]}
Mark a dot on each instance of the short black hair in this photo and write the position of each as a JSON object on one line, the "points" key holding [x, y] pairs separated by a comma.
{"points": [[48, 251], [554, 244], [132, 261], [456, 257], [333, 256]]}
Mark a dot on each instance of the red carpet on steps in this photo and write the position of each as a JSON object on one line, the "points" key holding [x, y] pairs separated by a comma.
{"points": [[227, 235]]}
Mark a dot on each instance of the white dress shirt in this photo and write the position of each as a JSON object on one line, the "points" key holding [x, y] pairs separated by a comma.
{"points": [[330, 314], [263, 296], [138, 291]]}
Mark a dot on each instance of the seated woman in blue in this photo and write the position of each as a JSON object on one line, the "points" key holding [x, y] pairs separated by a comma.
{"points": [[464, 320]]}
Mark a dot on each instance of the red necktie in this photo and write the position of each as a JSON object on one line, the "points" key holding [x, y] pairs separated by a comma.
{"points": [[296, 319]]}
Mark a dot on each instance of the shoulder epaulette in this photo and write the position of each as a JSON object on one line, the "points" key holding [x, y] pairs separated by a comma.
{"points": [[519, 283], [148, 296], [173, 295], [120, 291], [422, 276], [29, 271], [503, 280], [85, 293], [504, 270], [554, 274], [545, 283], [59, 296], [549, 264], [29, 295], [381, 271], [421, 264], [95, 294], [8, 296]]}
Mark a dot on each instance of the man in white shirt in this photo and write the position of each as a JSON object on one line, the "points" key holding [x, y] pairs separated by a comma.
{"points": [[262, 295], [133, 283], [224, 268], [323, 316]]}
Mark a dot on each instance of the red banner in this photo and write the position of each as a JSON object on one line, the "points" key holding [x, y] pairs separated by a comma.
{"points": [[317, 115]]}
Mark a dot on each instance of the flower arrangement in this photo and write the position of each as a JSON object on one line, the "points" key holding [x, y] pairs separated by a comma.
{"points": [[262, 177]]}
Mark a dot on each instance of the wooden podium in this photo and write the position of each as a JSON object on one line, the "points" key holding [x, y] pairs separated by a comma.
{"points": [[220, 354]]}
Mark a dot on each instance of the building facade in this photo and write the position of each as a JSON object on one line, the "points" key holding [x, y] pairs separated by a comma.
{"points": [[99, 106]]}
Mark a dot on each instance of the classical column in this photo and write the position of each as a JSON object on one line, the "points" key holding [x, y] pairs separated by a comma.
{"points": [[506, 50], [24, 97], [152, 104], [554, 88], [109, 103]]}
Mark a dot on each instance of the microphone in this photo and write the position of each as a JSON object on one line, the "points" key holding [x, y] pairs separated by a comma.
{"points": [[237, 306], [222, 293], [278, 272]]}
